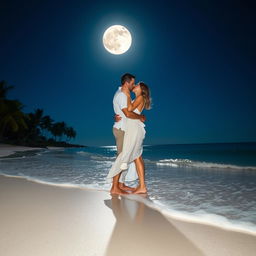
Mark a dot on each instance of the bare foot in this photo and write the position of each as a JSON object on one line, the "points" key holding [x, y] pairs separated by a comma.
{"points": [[140, 190], [124, 187], [118, 191]]}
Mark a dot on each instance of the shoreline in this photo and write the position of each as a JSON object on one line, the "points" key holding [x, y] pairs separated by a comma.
{"points": [[8, 150], [45, 219], [226, 225]]}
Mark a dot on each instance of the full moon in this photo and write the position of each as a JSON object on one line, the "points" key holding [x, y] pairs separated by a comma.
{"points": [[117, 39]]}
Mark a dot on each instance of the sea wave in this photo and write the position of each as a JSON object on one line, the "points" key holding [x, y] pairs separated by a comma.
{"points": [[59, 184], [201, 216], [190, 163], [197, 217], [96, 157], [107, 146], [103, 158], [23, 154], [173, 162]]}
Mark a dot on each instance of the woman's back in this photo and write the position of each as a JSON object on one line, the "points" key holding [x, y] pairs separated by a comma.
{"points": [[136, 110]]}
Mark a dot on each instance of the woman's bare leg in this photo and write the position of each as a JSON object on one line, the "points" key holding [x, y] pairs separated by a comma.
{"points": [[141, 173], [124, 187], [115, 189]]}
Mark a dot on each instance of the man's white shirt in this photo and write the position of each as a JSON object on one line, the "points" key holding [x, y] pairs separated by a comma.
{"points": [[120, 102]]}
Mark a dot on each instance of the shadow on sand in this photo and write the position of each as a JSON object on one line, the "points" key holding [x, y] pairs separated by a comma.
{"points": [[141, 230]]}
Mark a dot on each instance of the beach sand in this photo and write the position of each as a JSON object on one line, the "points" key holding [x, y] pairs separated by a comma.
{"points": [[41, 219], [7, 149]]}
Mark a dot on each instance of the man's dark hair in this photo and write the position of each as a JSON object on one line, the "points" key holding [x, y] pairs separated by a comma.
{"points": [[126, 78]]}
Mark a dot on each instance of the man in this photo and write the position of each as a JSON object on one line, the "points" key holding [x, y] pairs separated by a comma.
{"points": [[120, 109]]}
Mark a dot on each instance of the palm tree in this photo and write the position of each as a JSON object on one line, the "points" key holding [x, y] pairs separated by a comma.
{"points": [[11, 116], [4, 88], [36, 117], [35, 120], [70, 133], [22, 127], [63, 127], [58, 129], [46, 123]]}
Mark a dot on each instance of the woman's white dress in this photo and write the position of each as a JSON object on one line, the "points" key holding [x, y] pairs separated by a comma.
{"points": [[132, 149]]}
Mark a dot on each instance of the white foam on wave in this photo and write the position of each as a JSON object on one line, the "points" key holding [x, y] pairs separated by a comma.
{"points": [[83, 153], [200, 217], [67, 185], [190, 163], [110, 148], [96, 157], [107, 146], [103, 157]]}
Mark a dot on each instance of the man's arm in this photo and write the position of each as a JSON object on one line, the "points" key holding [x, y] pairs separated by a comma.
{"points": [[122, 101], [132, 115], [117, 118]]}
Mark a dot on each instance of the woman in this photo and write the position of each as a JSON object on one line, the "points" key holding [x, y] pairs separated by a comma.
{"points": [[133, 138]]}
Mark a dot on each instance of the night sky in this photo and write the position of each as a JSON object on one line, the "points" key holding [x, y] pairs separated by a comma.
{"points": [[197, 57]]}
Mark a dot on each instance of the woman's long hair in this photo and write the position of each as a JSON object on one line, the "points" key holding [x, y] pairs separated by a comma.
{"points": [[145, 92]]}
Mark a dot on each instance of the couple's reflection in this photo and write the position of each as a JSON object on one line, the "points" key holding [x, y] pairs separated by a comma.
{"points": [[141, 230]]}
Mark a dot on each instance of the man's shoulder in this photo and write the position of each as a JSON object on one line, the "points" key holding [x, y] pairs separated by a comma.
{"points": [[119, 94], [117, 91]]}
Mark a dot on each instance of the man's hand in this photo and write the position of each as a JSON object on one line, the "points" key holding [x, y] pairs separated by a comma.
{"points": [[143, 118], [117, 118]]}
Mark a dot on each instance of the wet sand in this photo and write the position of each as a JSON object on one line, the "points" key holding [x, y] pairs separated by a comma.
{"points": [[41, 219]]}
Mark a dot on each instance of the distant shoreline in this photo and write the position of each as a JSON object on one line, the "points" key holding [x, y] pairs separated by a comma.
{"points": [[7, 150]]}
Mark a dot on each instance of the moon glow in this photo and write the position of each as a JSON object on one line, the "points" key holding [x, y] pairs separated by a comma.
{"points": [[117, 39]]}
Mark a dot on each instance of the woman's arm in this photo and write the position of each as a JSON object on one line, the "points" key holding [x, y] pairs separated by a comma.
{"points": [[133, 105]]}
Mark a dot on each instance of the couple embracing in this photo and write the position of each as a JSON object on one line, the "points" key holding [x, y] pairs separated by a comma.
{"points": [[129, 134]]}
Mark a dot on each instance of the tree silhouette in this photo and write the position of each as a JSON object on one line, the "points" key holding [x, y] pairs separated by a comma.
{"points": [[46, 123], [70, 133], [4, 88], [11, 116], [31, 128]]}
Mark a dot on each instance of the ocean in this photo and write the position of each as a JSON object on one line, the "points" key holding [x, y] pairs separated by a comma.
{"points": [[207, 183]]}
